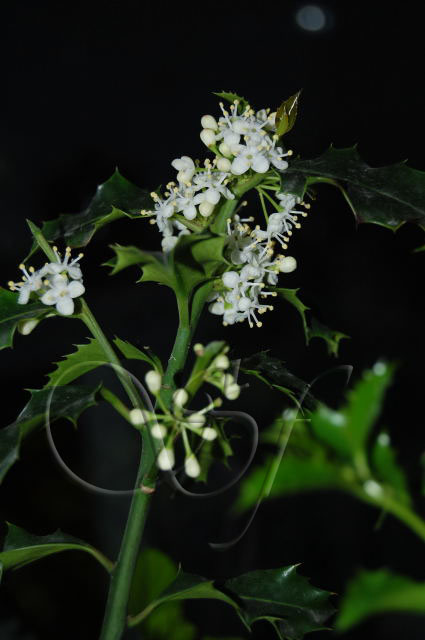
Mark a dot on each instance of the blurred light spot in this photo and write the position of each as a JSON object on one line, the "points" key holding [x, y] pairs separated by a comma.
{"points": [[311, 18]]}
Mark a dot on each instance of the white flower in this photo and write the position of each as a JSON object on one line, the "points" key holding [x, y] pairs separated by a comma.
{"points": [[248, 157], [185, 167], [209, 122], [185, 203], [208, 137], [288, 264], [63, 265], [61, 293], [214, 185], [208, 433], [32, 280]]}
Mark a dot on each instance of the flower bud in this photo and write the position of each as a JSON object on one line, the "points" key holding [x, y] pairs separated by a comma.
{"points": [[223, 164], [209, 122], [222, 362], [165, 459], [217, 308], [26, 326], [209, 433], [287, 265], [208, 137], [180, 397], [153, 381], [230, 279], [137, 417], [196, 419], [232, 391], [158, 431], [199, 349], [191, 466], [225, 149], [206, 209]]}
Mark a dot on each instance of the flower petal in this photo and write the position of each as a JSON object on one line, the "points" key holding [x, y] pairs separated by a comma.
{"points": [[75, 289], [65, 306]]}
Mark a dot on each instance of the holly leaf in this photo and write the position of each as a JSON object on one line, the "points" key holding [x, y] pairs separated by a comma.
{"points": [[312, 328], [377, 592], [129, 256], [286, 114], [272, 371], [130, 352], [86, 358], [13, 314], [21, 548], [387, 470], [114, 199], [388, 196], [284, 598], [153, 573], [231, 97], [63, 402], [332, 337]]}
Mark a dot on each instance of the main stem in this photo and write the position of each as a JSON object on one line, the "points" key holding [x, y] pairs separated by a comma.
{"points": [[114, 622]]}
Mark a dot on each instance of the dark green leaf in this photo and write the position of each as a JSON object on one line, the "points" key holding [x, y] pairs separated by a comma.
{"points": [[131, 352], [21, 548], [387, 470], [295, 474], [272, 369], [185, 587], [377, 592], [65, 402], [12, 313], [389, 196], [129, 256], [86, 358], [330, 336], [282, 597], [286, 115], [290, 295], [231, 97], [115, 198]]}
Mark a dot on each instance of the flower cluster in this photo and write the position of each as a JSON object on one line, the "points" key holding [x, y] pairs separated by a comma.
{"points": [[56, 284], [196, 193], [243, 141], [240, 293], [246, 140], [195, 428]]}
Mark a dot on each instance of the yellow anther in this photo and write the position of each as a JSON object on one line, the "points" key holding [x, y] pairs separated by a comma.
{"points": [[31, 270]]}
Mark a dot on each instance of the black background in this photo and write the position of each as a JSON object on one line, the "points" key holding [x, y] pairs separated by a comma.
{"points": [[88, 87]]}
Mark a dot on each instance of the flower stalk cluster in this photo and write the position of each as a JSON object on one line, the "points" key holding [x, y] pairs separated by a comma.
{"points": [[177, 423]]}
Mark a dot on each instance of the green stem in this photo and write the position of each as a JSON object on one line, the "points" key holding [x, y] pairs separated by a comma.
{"points": [[116, 608]]}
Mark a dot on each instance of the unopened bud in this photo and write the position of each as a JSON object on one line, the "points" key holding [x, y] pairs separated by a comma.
{"points": [[209, 433], [222, 362], [223, 164], [198, 349], [153, 381], [209, 122], [26, 326], [206, 209], [232, 391], [191, 466], [180, 397], [230, 279], [137, 417], [287, 265], [225, 149], [196, 419], [158, 431], [208, 137], [165, 459]]}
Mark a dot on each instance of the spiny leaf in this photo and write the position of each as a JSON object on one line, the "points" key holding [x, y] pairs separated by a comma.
{"points": [[282, 597], [290, 295], [12, 314], [86, 358], [387, 470], [21, 548], [231, 97], [131, 352], [388, 196], [376, 592], [129, 256], [286, 114], [114, 199], [63, 402], [332, 337], [274, 371]]}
